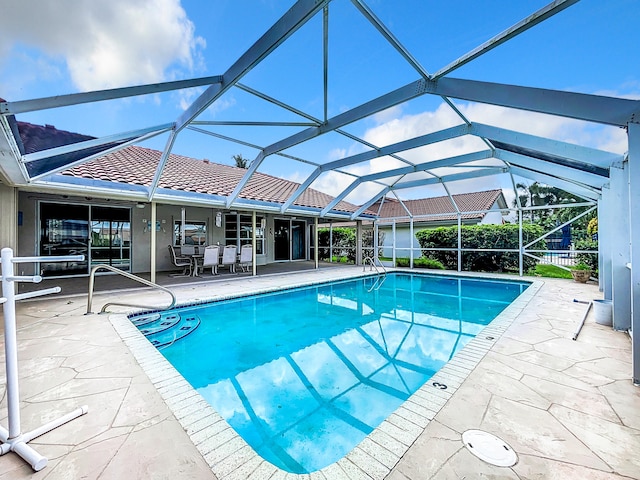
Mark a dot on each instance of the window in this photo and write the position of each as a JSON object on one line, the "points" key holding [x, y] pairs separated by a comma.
{"points": [[195, 233], [237, 231]]}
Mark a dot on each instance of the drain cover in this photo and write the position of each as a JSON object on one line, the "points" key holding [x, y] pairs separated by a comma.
{"points": [[489, 448]]}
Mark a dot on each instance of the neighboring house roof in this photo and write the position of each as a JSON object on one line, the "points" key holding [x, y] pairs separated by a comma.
{"points": [[439, 208], [137, 166], [36, 138]]}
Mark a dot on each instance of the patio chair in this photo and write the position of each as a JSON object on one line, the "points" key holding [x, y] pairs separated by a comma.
{"points": [[246, 257], [180, 262], [211, 258], [229, 258]]}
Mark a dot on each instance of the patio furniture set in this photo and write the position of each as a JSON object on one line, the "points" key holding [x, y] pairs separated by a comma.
{"points": [[194, 259]]}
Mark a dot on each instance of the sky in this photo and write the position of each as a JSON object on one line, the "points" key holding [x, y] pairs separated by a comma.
{"points": [[54, 47]]}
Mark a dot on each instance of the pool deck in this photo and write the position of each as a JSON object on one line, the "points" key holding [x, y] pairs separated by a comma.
{"points": [[567, 408]]}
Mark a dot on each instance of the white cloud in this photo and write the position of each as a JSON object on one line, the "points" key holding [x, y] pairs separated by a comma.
{"points": [[105, 44]]}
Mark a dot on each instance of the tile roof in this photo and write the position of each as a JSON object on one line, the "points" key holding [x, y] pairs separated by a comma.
{"points": [[36, 138], [137, 165], [467, 202]]}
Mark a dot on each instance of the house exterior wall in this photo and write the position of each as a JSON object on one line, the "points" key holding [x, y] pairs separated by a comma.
{"points": [[9, 216], [28, 232]]}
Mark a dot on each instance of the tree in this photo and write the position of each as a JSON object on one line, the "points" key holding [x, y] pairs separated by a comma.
{"points": [[241, 162]]}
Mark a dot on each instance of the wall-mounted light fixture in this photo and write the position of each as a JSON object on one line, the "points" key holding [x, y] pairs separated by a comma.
{"points": [[140, 205]]}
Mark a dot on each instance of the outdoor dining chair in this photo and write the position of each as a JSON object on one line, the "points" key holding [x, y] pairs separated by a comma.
{"points": [[180, 261], [229, 258], [211, 258], [246, 257]]}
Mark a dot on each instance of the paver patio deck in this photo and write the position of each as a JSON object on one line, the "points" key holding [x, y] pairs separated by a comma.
{"points": [[568, 409]]}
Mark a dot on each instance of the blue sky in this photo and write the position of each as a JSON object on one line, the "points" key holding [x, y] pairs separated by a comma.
{"points": [[47, 49]]}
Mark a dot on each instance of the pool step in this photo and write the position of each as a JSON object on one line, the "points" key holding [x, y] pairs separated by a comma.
{"points": [[161, 324], [163, 330]]}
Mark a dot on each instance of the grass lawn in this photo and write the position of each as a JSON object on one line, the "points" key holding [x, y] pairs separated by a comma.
{"points": [[549, 271]]}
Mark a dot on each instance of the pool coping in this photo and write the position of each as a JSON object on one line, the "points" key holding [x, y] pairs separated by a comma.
{"points": [[231, 458]]}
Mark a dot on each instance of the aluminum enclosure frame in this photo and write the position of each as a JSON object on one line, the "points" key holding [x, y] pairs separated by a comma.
{"points": [[607, 178]]}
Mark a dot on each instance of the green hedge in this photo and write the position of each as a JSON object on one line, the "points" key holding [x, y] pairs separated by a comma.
{"points": [[481, 236], [344, 242], [421, 262]]}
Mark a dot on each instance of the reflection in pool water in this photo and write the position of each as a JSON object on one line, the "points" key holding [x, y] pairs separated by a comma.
{"points": [[304, 375]]}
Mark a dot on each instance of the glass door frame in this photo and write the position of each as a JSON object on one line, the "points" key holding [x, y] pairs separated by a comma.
{"points": [[89, 224], [289, 225]]}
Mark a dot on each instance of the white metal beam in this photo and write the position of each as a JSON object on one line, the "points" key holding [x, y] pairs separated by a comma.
{"points": [[96, 142], [12, 170], [430, 181], [581, 106], [286, 26], [386, 33], [445, 162], [376, 105], [572, 151], [620, 247], [120, 146], [634, 243], [300, 190], [586, 178], [421, 141], [23, 106], [568, 186], [522, 26]]}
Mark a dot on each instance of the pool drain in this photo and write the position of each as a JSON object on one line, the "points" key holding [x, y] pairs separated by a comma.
{"points": [[489, 448]]}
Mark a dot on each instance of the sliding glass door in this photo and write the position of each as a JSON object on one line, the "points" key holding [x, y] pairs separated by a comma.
{"points": [[101, 234], [111, 237], [281, 230], [289, 239], [64, 230]]}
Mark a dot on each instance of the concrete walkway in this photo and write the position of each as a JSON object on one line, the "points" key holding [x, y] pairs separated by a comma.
{"points": [[567, 408]]}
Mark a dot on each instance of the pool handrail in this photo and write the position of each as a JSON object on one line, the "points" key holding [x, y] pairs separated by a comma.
{"points": [[132, 277], [373, 265]]}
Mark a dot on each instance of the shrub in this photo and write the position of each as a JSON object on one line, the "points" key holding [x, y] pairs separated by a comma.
{"points": [[402, 262], [590, 259], [424, 262], [481, 236], [581, 266], [421, 262]]}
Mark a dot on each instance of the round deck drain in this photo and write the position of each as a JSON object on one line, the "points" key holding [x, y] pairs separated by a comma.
{"points": [[489, 448]]}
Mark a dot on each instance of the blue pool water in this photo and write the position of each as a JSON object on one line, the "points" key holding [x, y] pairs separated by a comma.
{"points": [[304, 375]]}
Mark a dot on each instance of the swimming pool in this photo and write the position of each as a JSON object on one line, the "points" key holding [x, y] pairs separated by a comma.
{"points": [[307, 382]]}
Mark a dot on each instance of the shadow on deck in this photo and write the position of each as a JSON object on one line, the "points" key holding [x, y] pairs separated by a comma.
{"points": [[106, 282]]}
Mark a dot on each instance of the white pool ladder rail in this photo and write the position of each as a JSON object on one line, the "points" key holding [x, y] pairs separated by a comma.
{"points": [[13, 440]]}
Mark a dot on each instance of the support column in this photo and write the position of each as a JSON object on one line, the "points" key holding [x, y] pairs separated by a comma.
{"points": [[393, 230], [316, 255], [153, 241], [620, 251], [459, 242], [375, 240], [520, 244], [330, 242], [359, 242], [9, 217], [411, 242], [254, 244], [634, 242], [605, 225]]}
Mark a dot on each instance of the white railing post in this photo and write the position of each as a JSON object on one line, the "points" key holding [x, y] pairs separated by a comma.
{"points": [[411, 242], [13, 440], [393, 228]]}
